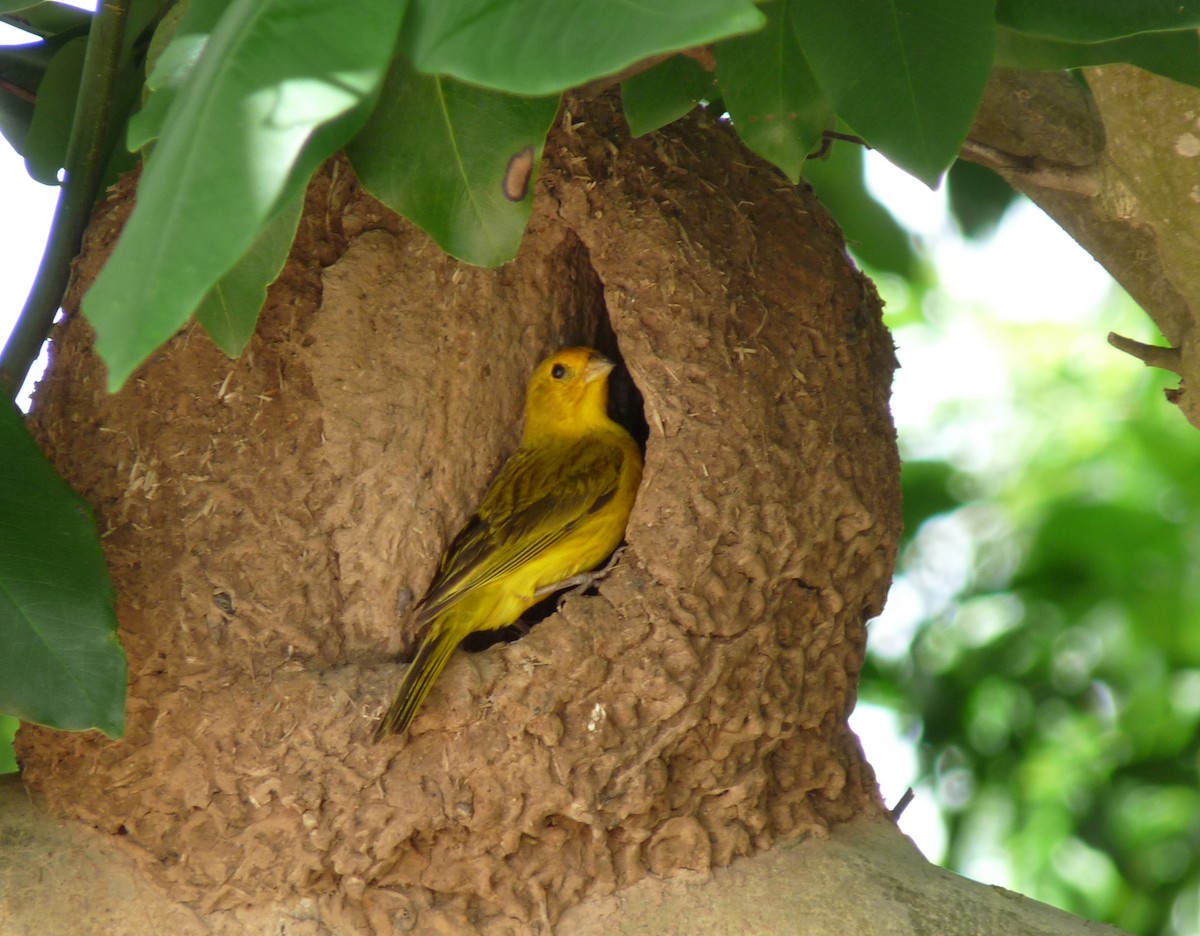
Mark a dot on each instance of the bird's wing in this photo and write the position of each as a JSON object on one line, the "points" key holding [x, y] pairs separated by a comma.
{"points": [[539, 497]]}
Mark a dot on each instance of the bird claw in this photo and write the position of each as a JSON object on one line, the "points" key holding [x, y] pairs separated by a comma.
{"points": [[578, 584]]}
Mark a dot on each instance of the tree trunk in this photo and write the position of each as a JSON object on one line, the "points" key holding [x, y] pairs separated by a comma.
{"points": [[269, 520]]}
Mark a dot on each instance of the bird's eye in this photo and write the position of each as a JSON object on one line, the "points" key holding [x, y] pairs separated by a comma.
{"points": [[558, 372]]}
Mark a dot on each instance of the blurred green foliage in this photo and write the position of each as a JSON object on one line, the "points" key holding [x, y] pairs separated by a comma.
{"points": [[1055, 668]]}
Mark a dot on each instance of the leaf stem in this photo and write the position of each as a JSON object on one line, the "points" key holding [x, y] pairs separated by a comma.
{"points": [[87, 154]]}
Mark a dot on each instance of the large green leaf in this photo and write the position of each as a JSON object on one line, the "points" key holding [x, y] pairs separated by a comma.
{"points": [[444, 154], [664, 93], [776, 105], [230, 309], [907, 75], [60, 661], [1174, 55], [272, 74], [533, 47], [46, 143], [1097, 20]]}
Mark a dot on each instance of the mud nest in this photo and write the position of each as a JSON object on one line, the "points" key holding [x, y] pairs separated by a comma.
{"points": [[268, 522]]}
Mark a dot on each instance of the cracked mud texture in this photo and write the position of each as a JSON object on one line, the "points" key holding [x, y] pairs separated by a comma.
{"points": [[269, 520]]}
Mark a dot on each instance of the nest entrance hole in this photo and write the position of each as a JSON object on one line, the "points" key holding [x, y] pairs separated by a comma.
{"points": [[587, 323]]}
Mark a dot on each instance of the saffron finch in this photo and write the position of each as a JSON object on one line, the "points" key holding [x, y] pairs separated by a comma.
{"points": [[557, 509]]}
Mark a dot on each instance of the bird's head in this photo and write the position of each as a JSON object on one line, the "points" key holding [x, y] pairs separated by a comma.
{"points": [[568, 394]]}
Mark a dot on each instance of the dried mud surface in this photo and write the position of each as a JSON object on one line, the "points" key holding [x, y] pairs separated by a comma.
{"points": [[268, 521]]}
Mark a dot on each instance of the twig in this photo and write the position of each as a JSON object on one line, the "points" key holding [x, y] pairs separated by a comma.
{"points": [[827, 138], [1150, 355], [87, 155], [897, 810], [17, 91]]}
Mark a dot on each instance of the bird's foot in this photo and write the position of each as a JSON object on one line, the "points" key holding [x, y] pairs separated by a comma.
{"points": [[578, 584]]}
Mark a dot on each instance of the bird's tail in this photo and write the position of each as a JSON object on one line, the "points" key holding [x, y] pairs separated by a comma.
{"points": [[426, 666]]}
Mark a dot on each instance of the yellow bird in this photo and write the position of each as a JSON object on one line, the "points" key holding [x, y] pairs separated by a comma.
{"points": [[557, 509]]}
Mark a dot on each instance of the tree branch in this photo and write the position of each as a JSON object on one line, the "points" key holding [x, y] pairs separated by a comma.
{"points": [[1112, 168]]}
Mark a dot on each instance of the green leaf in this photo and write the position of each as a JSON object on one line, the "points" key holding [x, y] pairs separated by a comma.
{"points": [[22, 68], [664, 93], [46, 143], [872, 233], [45, 146], [776, 105], [439, 152], [8, 731], [145, 126], [230, 310], [16, 114], [1174, 55], [45, 19], [61, 664], [533, 47], [906, 75], [189, 26], [143, 14], [166, 30], [250, 115], [25, 65], [978, 198], [1097, 20]]}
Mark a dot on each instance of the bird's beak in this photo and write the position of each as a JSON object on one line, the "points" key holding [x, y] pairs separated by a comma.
{"points": [[597, 366]]}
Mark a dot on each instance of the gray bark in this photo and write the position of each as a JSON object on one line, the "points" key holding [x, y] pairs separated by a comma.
{"points": [[1119, 169]]}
